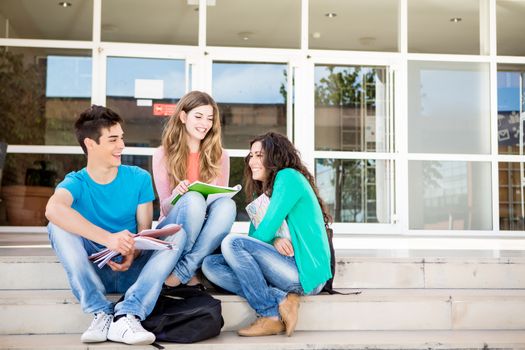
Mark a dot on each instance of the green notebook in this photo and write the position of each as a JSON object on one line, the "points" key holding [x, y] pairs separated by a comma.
{"points": [[211, 192]]}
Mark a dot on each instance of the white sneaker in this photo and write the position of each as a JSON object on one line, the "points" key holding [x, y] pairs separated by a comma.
{"points": [[98, 331], [129, 330]]}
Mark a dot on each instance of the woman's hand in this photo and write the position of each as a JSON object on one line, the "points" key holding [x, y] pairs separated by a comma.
{"points": [[181, 188], [283, 246]]}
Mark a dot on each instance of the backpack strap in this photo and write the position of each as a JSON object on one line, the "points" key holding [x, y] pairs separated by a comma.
{"points": [[328, 287]]}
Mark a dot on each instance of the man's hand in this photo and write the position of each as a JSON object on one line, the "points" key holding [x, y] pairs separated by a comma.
{"points": [[121, 242], [127, 260], [283, 246]]}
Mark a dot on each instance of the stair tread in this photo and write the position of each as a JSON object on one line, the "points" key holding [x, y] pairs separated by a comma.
{"points": [[61, 296], [301, 340]]}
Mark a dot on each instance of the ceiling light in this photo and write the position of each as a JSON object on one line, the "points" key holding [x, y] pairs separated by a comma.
{"points": [[367, 40], [330, 14], [316, 35], [109, 28], [196, 2], [455, 19], [245, 35], [65, 4]]}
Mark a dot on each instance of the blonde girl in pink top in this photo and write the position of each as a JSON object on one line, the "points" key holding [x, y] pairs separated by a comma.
{"points": [[192, 150]]}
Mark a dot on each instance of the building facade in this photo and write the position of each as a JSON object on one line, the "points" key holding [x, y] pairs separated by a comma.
{"points": [[409, 112]]}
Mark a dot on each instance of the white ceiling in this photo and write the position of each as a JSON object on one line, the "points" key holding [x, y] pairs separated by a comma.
{"points": [[359, 24]]}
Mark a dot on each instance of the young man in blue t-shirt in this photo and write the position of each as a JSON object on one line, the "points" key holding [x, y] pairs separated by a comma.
{"points": [[103, 205]]}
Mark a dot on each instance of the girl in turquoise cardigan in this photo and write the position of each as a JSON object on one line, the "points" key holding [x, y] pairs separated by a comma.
{"points": [[271, 268]]}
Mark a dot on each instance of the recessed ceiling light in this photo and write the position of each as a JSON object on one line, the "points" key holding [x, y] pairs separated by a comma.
{"points": [[245, 35], [455, 19], [330, 14], [367, 40], [65, 4]]}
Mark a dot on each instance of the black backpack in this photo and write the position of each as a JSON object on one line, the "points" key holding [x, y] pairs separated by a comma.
{"points": [[185, 315], [328, 286]]}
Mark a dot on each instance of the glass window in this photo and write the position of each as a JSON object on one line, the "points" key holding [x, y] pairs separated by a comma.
{"points": [[449, 195], [448, 26], [249, 109], [510, 27], [359, 25], [46, 19], [43, 91], [29, 180], [351, 108], [448, 107], [144, 92], [511, 106], [253, 23], [511, 192], [152, 21], [355, 190]]}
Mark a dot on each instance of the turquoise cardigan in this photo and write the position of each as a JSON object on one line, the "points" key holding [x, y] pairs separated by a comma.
{"points": [[293, 199]]}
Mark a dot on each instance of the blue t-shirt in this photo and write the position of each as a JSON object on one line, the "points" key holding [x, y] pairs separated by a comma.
{"points": [[112, 206]]}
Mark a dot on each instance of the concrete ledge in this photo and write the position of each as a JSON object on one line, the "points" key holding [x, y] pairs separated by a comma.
{"points": [[423, 340], [45, 272], [51, 312]]}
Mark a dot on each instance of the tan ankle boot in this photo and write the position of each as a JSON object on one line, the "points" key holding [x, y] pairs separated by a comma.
{"points": [[262, 326], [289, 311]]}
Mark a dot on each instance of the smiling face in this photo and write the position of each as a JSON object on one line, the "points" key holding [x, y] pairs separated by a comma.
{"points": [[259, 171], [108, 150], [198, 122]]}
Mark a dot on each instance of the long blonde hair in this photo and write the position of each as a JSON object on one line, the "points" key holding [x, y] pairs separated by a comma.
{"points": [[174, 141]]}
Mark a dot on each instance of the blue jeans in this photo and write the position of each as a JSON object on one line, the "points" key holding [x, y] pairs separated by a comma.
{"points": [[141, 283], [256, 271], [205, 226]]}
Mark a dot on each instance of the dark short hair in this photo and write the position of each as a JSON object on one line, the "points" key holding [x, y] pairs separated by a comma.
{"points": [[92, 121]]}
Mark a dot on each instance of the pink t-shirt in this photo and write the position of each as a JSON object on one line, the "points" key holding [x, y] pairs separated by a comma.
{"points": [[162, 180], [193, 167]]}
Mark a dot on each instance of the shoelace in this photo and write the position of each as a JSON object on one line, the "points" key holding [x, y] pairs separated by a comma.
{"points": [[134, 323], [97, 317]]}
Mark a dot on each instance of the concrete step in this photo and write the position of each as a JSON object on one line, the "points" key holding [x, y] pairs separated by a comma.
{"points": [[422, 340], [43, 271], [54, 312]]}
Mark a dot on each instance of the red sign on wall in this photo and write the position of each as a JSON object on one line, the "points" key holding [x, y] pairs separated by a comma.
{"points": [[164, 109]]}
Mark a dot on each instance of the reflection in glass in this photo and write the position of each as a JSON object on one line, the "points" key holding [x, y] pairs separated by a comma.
{"points": [[254, 23], [448, 26], [43, 91], [236, 177], [29, 180], [248, 109], [45, 19], [511, 105], [450, 195], [355, 190], [152, 21], [359, 25], [351, 108], [511, 200], [448, 107], [510, 27], [144, 92]]}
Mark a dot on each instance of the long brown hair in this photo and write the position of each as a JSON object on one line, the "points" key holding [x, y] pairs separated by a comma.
{"points": [[174, 141], [278, 153]]}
